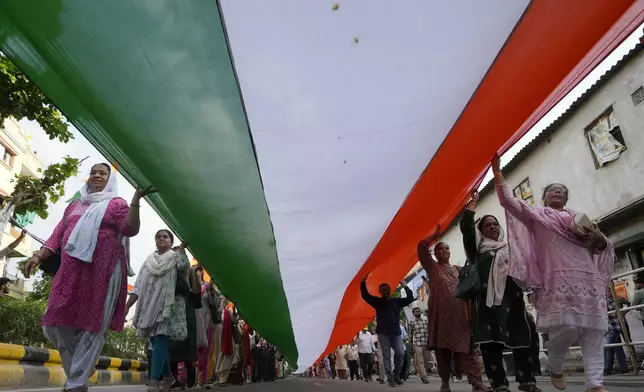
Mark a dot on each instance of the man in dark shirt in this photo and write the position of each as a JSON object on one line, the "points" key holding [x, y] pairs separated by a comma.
{"points": [[388, 325]]}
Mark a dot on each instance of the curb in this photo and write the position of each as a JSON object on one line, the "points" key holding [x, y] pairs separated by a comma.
{"points": [[31, 367]]}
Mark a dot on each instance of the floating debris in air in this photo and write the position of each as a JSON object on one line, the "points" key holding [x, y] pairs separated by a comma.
{"points": [[335, 6]]}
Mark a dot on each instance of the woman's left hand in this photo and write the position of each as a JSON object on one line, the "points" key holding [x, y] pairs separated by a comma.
{"points": [[143, 192], [474, 196], [594, 238]]}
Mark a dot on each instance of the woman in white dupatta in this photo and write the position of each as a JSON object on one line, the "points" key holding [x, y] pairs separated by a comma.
{"points": [[90, 287], [499, 317], [158, 316]]}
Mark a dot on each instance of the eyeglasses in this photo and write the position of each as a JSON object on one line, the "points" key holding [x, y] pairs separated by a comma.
{"points": [[557, 189]]}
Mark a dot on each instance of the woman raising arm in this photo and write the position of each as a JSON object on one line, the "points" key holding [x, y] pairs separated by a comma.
{"points": [[568, 267], [499, 313]]}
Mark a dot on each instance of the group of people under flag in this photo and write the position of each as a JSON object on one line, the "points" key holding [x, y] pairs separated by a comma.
{"points": [[550, 252], [217, 346], [552, 255], [179, 313]]}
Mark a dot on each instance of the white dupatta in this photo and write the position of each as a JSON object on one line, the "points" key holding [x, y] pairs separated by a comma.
{"points": [[82, 241], [499, 269]]}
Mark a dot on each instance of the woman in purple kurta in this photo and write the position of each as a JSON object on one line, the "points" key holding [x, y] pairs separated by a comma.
{"points": [[89, 290], [568, 268]]}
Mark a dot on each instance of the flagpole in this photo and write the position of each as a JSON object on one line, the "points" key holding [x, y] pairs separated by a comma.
{"points": [[35, 237]]}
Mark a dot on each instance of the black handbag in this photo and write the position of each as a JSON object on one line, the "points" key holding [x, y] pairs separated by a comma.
{"points": [[469, 282], [50, 265]]}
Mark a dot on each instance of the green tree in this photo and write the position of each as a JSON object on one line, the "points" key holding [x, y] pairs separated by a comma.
{"points": [[21, 99], [32, 194], [41, 288], [21, 325]]}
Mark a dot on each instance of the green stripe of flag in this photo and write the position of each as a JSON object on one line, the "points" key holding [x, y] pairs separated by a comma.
{"points": [[151, 85]]}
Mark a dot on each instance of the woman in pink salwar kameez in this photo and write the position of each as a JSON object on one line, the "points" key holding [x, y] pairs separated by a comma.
{"points": [[88, 291], [568, 268]]}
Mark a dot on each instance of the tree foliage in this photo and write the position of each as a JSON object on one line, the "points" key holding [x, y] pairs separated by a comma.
{"points": [[40, 289], [21, 325], [19, 98], [32, 194], [125, 344]]}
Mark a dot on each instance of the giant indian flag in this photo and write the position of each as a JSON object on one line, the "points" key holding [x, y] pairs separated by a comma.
{"points": [[300, 144]]}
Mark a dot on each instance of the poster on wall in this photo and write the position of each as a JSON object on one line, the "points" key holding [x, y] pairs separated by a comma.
{"points": [[620, 290]]}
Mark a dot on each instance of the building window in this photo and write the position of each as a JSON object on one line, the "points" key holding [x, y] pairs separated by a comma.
{"points": [[605, 139], [6, 155], [524, 192], [638, 96]]}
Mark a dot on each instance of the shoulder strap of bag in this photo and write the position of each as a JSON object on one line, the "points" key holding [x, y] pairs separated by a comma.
{"points": [[65, 216]]}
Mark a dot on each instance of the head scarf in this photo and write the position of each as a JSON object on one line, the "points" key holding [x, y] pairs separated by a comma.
{"points": [[82, 241], [499, 269], [162, 270]]}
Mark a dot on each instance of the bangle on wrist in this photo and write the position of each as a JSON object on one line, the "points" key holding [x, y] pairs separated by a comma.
{"points": [[134, 205]]}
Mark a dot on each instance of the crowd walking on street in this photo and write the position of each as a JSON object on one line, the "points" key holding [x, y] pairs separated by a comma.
{"points": [[197, 337], [194, 335], [478, 312]]}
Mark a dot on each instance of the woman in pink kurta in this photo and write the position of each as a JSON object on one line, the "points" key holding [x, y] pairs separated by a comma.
{"points": [[88, 291], [568, 268]]}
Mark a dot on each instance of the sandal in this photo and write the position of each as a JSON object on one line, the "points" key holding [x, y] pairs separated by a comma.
{"points": [[558, 381], [596, 389], [166, 384], [481, 388]]}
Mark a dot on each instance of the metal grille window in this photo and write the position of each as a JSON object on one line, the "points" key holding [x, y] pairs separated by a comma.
{"points": [[638, 96]]}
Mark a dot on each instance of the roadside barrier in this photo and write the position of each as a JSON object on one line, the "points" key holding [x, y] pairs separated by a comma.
{"points": [[31, 367]]}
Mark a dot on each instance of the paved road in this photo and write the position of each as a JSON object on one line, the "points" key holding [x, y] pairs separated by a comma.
{"points": [[622, 384]]}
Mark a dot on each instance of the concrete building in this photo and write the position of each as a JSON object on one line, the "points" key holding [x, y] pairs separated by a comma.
{"points": [[596, 148], [16, 158]]}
